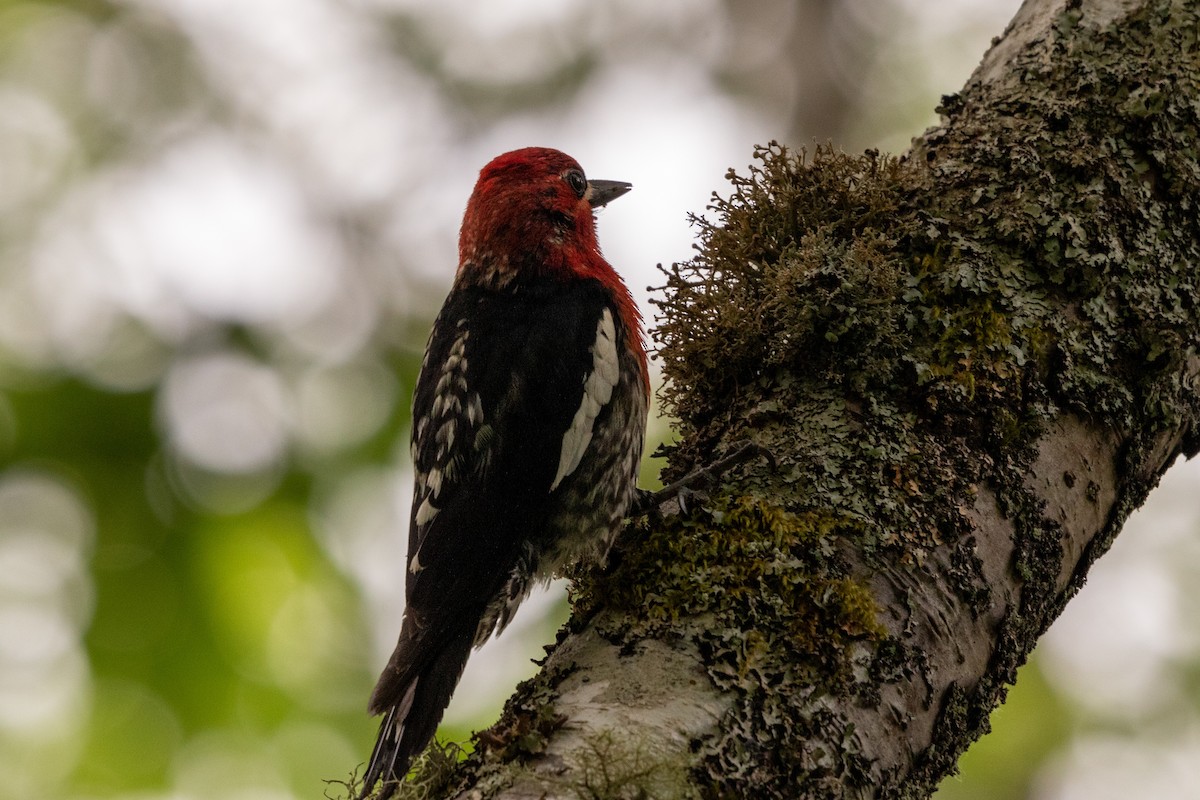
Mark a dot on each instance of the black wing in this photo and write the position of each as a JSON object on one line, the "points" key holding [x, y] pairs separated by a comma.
{"points": [[510, 388]]}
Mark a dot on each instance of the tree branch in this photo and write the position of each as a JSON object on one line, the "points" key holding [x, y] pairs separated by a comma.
{"points": [[970, 364]]}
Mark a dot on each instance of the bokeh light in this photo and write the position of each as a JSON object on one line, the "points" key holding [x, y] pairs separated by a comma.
{"points": [[46, 536]]}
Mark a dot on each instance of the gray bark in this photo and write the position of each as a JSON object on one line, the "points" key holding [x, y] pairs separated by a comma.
{"points": [[997, 365]]}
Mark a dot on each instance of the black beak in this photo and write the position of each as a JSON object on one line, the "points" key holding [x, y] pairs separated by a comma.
{"points": [[601, 193]]}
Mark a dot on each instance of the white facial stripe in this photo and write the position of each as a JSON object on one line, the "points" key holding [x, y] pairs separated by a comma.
{"points": [[597, 391]]}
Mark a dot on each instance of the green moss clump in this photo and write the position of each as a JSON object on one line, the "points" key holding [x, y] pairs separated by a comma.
{"points": [[434, 771], [781, 615], [796, 272], [729, 555], [836, 272]]}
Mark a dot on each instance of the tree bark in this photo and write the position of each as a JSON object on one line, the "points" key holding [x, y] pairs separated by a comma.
{"points": [[969, 364]]}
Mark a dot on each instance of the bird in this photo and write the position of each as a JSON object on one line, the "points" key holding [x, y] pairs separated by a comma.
{"points": [[528, 423]]}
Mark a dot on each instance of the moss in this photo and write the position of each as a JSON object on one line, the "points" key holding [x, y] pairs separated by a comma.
{"points": [[432, 774], [521, 734], [899, 333], [797, 271], [778, 604]]}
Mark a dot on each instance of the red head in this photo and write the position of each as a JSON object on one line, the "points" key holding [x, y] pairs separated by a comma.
{"points": [[531, 215]]}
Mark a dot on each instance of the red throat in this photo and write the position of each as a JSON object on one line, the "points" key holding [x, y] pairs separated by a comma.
{"points": [[523, 219]]}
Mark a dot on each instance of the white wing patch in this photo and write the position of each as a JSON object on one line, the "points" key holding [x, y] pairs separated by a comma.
{"points": [[597, 391]]}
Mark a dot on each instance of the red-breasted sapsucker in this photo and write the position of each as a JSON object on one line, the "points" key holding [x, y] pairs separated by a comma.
{"points": [[528, 422]]}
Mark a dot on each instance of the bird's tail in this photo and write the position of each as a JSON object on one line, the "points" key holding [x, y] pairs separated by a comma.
{"points": [[412, 703]]}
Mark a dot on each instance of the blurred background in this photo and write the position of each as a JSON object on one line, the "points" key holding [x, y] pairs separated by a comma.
{"points": [[225, 227]]}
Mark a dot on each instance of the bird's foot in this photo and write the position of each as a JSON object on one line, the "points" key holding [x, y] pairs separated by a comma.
{"points": [[647, 503]]}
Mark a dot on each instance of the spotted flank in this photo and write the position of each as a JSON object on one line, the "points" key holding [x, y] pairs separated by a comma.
{"points": [[454, 416]]}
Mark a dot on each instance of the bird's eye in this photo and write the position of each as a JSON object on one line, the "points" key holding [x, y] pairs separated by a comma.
{"points": [[577, 181]]}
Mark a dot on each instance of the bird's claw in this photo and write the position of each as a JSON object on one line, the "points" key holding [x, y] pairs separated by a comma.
{"points": [[643, 504], [686, 495], [646, 502]]}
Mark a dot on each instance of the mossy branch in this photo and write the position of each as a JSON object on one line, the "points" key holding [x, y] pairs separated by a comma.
{"points": [[970, 364]]}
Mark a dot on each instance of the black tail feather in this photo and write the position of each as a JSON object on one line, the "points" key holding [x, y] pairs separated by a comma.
{"points": [[410, 722]]}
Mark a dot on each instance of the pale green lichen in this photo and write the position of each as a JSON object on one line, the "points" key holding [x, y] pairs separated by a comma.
{"points": [[781, 615]]}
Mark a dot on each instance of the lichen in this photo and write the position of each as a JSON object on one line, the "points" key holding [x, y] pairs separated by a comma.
{"points": [[782, 616], [616, 766], [899, 333], [529, 719]]}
